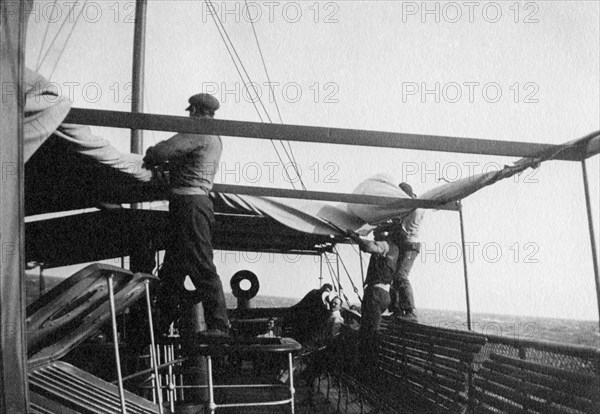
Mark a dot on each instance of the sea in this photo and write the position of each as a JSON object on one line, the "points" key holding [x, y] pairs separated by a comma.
{"points": [[566, 331]]}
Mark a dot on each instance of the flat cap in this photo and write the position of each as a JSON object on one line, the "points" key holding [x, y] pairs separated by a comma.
{"points": [[204, 100]]}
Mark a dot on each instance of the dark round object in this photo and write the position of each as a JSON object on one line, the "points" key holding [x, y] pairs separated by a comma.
{"points": [[236, 280]]}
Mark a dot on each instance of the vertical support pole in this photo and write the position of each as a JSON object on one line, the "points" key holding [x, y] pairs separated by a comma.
{"points": [[588, 205], [337, 266], [139, 51], [292, 390], [169, 352], [211, 394], [362, 269], [113, 316], [153, 359], [337, 271], [13, 344], [320, 269], [138, 257], [466, 274]]}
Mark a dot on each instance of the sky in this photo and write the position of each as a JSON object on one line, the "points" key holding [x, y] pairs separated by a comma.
{"points": [[519, 71]]}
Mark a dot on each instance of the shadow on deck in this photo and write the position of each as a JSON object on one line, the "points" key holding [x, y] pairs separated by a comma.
{"points": [[324, 396]]}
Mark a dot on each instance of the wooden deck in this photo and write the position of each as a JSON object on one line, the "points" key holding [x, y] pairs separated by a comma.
{"points": [[324, 395]]}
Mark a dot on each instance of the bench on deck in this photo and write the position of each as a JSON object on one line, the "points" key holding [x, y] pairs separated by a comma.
{"points": [[506, 384]]}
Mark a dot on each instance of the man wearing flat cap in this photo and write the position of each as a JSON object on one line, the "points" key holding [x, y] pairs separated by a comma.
{"points": [[192, 161]]}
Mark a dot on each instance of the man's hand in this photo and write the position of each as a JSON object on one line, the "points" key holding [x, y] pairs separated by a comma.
{"points": [[161, 175], [149, 161], [363, 244], [355, 237], [370, 246]]}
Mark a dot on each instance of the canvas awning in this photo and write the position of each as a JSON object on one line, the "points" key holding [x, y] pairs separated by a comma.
{"points": [[69, 168], [114, 233]]}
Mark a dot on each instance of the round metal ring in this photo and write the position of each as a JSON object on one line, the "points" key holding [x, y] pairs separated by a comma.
{"points": [[237, 290]]}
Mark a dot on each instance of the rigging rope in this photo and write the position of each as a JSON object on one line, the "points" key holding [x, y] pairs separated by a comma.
{"points": [[45, 34], [340, 288], [331, 272], [347, 273], [290, 155], [362, 270], [219, 23], [220, 29], [264, 65], [293, 163], [58, 32], [68, 38], [230, 47]]}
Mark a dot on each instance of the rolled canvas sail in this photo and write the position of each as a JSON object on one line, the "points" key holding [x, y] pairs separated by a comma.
{"points": [[321, 217], [45, 111]]}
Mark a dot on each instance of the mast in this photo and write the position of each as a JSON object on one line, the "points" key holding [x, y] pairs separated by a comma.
{"points": [[142, 255], [139, 52], [13, 345]]}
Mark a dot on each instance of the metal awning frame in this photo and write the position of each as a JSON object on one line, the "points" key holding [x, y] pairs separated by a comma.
{"points": [[587, 147], [168, 123]]}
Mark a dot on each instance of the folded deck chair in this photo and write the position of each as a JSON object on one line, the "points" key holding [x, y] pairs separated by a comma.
{"points": [[58, 322]]}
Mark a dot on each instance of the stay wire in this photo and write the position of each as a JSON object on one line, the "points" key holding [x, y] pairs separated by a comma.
{"points": [[331, 273], [45, 35], [337, 252], [264, 65], [223, 31], [290, 155], [360, 256], [58, 32], [216, 18], [293, 158], [68, 38], [220, 29], [229, 45], [294, 164], [339, 282]]}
